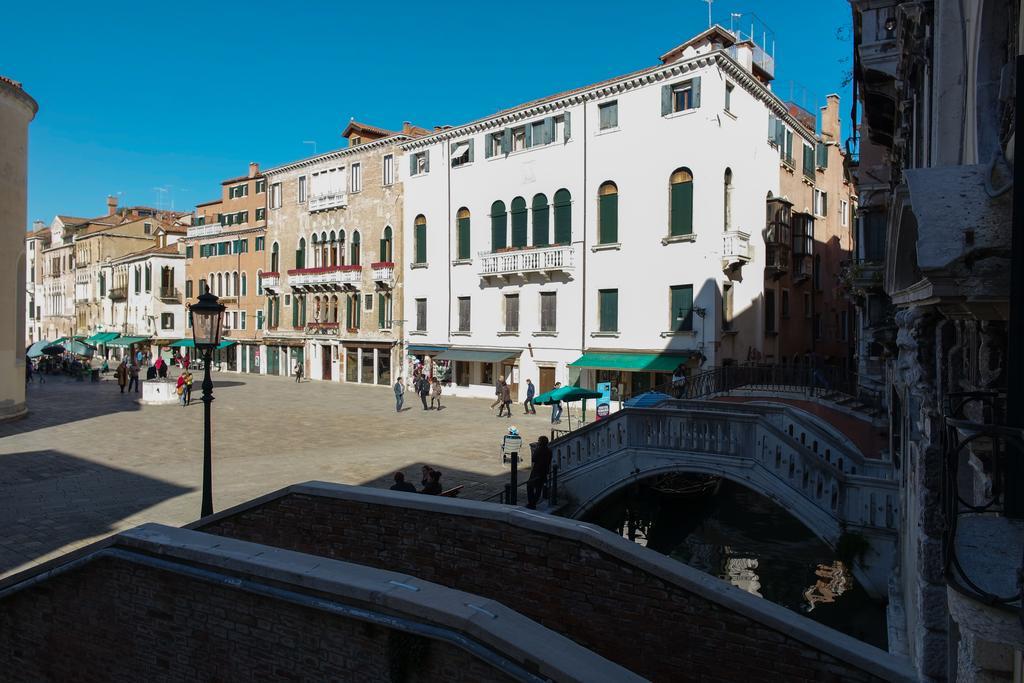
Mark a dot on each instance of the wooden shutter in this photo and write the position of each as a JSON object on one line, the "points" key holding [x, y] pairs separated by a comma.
{"points": [[563, 217], [666, 100], [348, 312], [609, 310], [149, 279], [541, 232], [808, 160], [780, 133], [488, 146], [772, 124], [295, 312], [549, 129], [426, 161], [302, 321], [822, 154], [682, 208], [519, 229], [420, 236], [528, 134], [695, 99], [681, 315], [471, 145], [609, 219], [567, 128], [412, 165], [498, 229], [381, 317], [506, 141], [463, 238]]}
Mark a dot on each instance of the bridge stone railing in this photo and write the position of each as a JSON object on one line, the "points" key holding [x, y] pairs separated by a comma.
{"points": [[834, 476]]}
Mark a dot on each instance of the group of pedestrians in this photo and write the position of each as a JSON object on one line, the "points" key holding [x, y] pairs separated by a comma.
{"points": [[425, 387], [127, 374], [431, 482], [184, 388]]}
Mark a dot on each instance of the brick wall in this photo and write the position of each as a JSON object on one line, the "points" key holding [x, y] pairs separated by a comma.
{"points": [[114, 620], [620, 611]]}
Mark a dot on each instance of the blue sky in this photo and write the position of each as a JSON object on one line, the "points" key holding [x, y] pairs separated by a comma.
{"points": [[138, 96]]}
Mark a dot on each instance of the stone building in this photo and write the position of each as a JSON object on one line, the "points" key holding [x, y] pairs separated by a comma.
{"points": [[225, 250], [932, 286], [35, 242], [334, 292], [17, 109]]}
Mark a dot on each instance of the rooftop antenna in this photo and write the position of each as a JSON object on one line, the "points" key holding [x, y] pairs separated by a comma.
{"points": [[710, 2], [161, 191], [310, 142]]}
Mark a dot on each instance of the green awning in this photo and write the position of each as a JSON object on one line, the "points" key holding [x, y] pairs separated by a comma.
{"points": [[103, 337], [426, 348], [126, 341], [479, 355], [635, 362], [191, 344]]}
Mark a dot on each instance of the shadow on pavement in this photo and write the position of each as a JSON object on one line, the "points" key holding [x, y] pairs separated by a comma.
{"points": [[49, 499]]}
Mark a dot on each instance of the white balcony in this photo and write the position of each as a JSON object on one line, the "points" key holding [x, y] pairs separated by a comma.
{"points": [[205, 230], [327, 200], [271, 281], [522, 262], [320, 279], [384, 273], [735, 248]]}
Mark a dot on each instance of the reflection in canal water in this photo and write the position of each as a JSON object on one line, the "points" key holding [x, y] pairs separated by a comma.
{"points": [[731, 532]]}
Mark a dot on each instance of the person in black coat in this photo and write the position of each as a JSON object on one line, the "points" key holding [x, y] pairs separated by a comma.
{"points": [[401, 484], [423, 389], [539, 470]]}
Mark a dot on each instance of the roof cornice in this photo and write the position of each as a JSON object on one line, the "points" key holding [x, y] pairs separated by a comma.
{"points": [[337, 154]]}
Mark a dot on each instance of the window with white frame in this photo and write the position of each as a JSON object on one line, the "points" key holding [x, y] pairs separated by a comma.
{"points": [[820, 202], [609, 114], [420, 163], [166, 321], [389, 169], [548, 311], [462, 153], [518, 138], [261, 186], [238, 191], [356, 172], [494, 144], [275, 196], [302, 189], [329, 182]]}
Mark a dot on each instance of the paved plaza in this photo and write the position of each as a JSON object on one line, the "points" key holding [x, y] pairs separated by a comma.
{"points": [[88, 461]]}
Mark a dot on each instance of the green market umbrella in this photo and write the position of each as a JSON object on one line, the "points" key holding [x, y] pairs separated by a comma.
{"points": [[36, 349], [567, 394]]}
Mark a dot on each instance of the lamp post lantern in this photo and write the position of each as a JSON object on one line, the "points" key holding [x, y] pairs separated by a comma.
{"points": [[207, 314]]}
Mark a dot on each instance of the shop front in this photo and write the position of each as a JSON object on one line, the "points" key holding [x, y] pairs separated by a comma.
{"points": [[474, 371], [630, 374], [368, 362], [422, 358]]}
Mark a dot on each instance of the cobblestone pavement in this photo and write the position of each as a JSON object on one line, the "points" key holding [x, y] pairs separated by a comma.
{"points": [[89, 461]]}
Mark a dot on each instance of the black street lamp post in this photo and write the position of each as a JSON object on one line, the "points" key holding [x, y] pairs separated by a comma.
{"points": [[206, 320]]}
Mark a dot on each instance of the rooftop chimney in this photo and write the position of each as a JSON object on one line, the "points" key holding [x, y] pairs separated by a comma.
{"points": [[38, 225], [831, 123], [111, 204], [254, 169]]}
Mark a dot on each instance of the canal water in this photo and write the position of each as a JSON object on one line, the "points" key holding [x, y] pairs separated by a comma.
{"points": [[742, 537]]}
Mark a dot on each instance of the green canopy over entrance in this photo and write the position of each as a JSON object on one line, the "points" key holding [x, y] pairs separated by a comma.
{"points": [[191, 343], [126, 341], [103, 337], [479, 355], [633, 362]]}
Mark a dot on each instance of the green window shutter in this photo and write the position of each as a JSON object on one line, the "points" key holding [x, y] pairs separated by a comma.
{"points": [[666, 100], [822, 155], [506, 141], [681, 313], [295, 311], [682, 209], [245, 282], [357, 308], [563, 217], [412, 165], [426, 161], [499, 226], [529, 136], [608, 231], [772, 123], [541, 233], [808, 160], [383, 253], [380, 311], [149, 279], [519, 228], [780, 133], [471, 145], [303, 319], [463, 238], [421, 243], [348, 312], [567, 128], [609, 310], [549, 129], [696, 92], [488, 145]]}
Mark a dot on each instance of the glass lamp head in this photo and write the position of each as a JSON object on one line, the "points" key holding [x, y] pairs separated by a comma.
{"points": [[207, 314]]}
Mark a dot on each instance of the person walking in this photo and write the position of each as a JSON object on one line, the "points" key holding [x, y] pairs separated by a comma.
{"points": [[435, 394], [399, 400], [28, 370], [531, 391], [497, 394], [180, 389], [122, 374], [506, 400], [539, 470], [133, 378], [401, 484], [679, 381], [188, 387], [298, 372], [423, 389], [556, 408]]}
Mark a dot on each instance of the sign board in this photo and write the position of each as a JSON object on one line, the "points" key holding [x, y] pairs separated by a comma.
{"points": [[604, 403]]}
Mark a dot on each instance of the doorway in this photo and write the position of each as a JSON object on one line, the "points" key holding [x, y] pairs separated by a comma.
{"points": [[273, 360], [547, 380], [326, 362], [511, 374]]}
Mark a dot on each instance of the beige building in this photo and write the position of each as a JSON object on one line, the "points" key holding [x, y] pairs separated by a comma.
{"points": [[225, 250], [334, 299], [17, 109], [35, 242]]}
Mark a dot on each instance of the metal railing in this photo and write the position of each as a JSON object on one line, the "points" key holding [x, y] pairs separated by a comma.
{"points": [[170, 293]]}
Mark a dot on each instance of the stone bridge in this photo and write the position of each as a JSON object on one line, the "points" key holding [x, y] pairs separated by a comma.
{"points": [[795, 459]]}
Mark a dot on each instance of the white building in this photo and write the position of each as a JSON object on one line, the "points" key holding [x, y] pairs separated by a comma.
{"points": [[146, 295], [608, 233]]}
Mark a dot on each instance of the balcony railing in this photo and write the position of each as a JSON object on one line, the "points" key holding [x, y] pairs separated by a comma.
{"points": [[205, 230], [329, 329], [327, 200], [270, 280], [384, 273], [544, 260], [735, 248], [170, 294], [329, 277], [118, 293]]}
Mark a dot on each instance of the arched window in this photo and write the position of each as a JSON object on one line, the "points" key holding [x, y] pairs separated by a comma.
{"points": [[220, 284], [563, 217], [334, 308], [727, 199], [326, 248], [354, 249], [244, 287], [300, 254], [681, 202], [386, 251], [234, 284], [499, 226], [541, 233], [315, 247], [608, 213], [259, 282], [275, 258], [338, 259], [519, 230], [419, 236], [462, 244]]}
